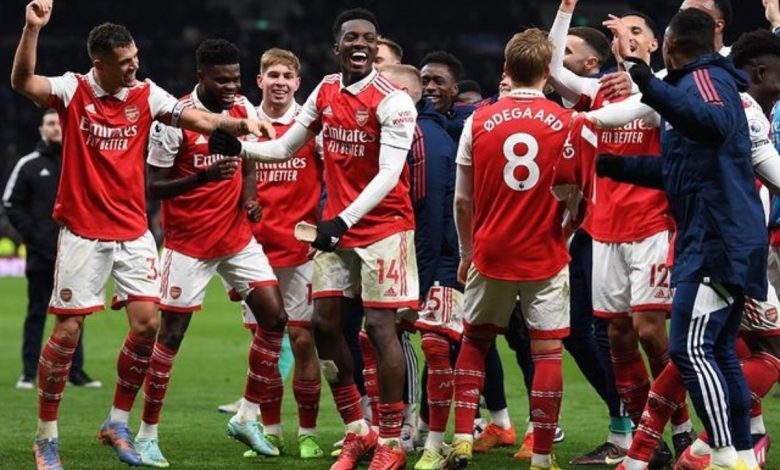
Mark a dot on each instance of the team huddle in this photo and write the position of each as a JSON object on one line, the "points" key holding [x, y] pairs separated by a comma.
{"points": [[574, 209]]}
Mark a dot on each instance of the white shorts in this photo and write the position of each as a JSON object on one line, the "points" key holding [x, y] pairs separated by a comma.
{"points": [[631, 277], [184, 279], [83, 266], [295, 286], [383, 274], [545, 304], [442, 312], [760, 318]]}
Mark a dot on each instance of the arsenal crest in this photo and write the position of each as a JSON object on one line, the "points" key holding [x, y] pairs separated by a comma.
{"points": [[771, 314], [132, 113], [66, 295], [361, 117], [175, 292]]}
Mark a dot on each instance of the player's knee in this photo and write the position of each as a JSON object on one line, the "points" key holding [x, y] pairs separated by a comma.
{"points": [[145, 327], [302, 343], [380, 330], [653, 341], [68, 329]]}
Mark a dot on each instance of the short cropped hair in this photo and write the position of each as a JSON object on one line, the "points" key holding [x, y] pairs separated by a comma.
{"points": [[465, 86], [527, 55], [445, 58], [216, 52], [596, 40], [403, 70], [651, 24], [394, 47], [353, 14], [753, 45], [693, 31], [105, 37], [276, 56]]}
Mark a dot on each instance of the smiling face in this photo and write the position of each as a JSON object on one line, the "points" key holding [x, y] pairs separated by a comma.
{"points": [[356, 49], [118, 68], [641, 37], [439, 86], [278, 83], [218, 85]]}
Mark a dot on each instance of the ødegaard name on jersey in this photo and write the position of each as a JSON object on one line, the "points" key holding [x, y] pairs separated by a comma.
{"points": [[512, 114]]}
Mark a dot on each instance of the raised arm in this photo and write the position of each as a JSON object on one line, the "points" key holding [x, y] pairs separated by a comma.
{"points": [[568, 84], [621, 113], [23, 77]]}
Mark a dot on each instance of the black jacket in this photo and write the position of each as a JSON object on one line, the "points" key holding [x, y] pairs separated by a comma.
{"points": [[29, 200]]}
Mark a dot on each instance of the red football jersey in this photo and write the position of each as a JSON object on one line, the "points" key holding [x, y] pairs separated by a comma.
{"points": [[513, 147], [102, 192], [575, 169], [354, 121], [288, 192], [207, 222], [624, 212]]}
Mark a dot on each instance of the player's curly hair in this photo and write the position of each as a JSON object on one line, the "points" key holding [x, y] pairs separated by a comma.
{"points": [[445, 58], [105, 37], [353, 14], [217, 52], [753, 45]]}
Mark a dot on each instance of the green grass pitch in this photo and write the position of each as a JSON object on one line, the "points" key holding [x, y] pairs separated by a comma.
{"points": [[210, 370]]}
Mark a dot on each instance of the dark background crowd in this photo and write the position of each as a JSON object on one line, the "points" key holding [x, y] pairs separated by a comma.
{"points": [[167, 33]]}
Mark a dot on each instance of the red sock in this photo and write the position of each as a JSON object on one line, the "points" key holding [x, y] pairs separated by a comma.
{"points": [[157, 378], [307, 396], [131, 368], [469, 380], [370, 379], [546, 394], [263, 382], [667, 392], [631, 381], [347, 398], [53, 369], [657, 365], [391, 417], [761, 373], [440, 382]]}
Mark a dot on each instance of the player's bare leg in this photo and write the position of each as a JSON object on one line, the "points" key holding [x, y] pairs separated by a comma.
{"points": [[132, 366], [306, 387], [173, 326], [650, 327], [264, 383]]}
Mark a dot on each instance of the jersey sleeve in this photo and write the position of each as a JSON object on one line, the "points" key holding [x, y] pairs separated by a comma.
{"points": [[62, 89], [164, 144], [309, 115], [464, 146], [761, 147], [251, 113], [164, 107], [397, 116]]}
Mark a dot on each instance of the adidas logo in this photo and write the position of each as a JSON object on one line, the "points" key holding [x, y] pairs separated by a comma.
{"points": [[390, 292], [328, 111], [44, 172], [201, 140], [661, 295], [90, 108]]}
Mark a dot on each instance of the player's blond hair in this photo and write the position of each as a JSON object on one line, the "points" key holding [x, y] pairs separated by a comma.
{"points": [[396, 48], [408, 72], [527, 56], [276, 56]]}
